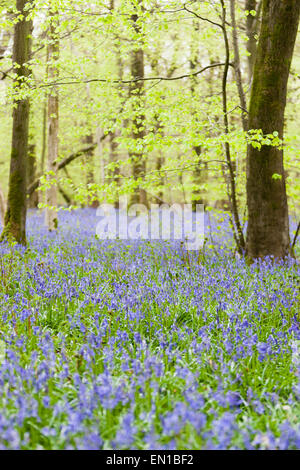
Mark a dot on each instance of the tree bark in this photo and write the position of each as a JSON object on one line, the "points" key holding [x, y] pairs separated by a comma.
{"points": [[268, 224], [15, 217], [51, 192]]}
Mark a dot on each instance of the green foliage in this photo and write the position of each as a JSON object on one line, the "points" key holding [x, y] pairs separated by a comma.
{"points": [[97, 43]]}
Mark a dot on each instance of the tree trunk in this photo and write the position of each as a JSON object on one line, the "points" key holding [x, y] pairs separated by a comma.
{"points": [[44, 138], [114, 175], [230, 177], [159, 128], [89, 166], [197, 196], [252, 26], [41, 194], [51, 192], [159, 165], [268, 224], [138, 122], [15, 217], [32, 201], [237, 66]]}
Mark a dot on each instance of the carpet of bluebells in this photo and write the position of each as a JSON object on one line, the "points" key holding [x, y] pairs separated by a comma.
{"points": [[110, 344]]}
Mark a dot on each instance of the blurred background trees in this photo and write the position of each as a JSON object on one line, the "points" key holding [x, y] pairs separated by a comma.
{"points": [[153, 102]]}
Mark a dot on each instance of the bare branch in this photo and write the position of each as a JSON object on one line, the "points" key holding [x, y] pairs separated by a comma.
{"points": [[201, 17], [62, 164], [137, 79]]}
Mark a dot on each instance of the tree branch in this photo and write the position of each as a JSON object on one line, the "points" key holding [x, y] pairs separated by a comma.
{"points": [[137, 79], [63, 163], [202, 18]]}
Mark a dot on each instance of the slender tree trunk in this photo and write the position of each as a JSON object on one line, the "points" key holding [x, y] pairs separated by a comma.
{"points": [[252, 26], [32, 201], [159, 128], [114, 154], [41, 194], [235, 220], [89, 166], [89, 155], [197, 194], [237, 66], [44, 138], [268, 224], [15, 217], [51, 192], [138, 122], [159, 165], [44, 121], [114, 175]]}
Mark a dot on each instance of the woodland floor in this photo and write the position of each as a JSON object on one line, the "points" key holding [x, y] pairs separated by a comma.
{"points": [[135, 345]]}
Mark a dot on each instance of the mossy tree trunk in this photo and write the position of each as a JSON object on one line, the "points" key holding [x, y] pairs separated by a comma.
{"points": [[53, 103], [268, 225], [15, 216]]}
